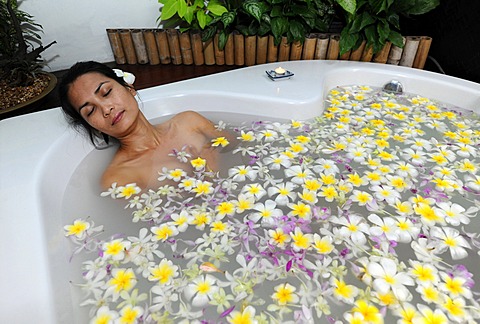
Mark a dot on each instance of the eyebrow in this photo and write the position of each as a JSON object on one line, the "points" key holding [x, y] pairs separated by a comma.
{"points": [[95, 92]]}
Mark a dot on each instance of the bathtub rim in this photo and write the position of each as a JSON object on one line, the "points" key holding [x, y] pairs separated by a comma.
{"points": [[50, 125]]}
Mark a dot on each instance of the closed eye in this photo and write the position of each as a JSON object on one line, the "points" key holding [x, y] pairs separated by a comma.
{"points": [[107, 93], [91, 111]]}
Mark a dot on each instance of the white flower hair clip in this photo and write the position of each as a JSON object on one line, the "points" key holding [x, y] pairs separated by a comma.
{"points": [[127, 76]]}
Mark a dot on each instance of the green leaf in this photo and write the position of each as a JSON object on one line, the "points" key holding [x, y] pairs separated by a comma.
{"points": [[347, 41], [395, 38], [279, 28], [277, 11], [216, 8], [367, 20], [209, 32], [182, 8], [297, 30], [199, 4], [169, 9], [228, 18], [189, 14], [378, 5], [383, 30], [222, 39], [348, 5], [254, 8], [202, 19], [423, 6]]}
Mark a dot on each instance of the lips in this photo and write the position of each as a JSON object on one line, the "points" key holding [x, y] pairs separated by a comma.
{"points": [[117, 117]]}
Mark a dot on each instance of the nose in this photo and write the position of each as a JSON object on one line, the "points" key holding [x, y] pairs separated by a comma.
{"points": [[107, 111]]}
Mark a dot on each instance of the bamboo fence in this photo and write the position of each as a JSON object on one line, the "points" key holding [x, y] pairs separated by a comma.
{"points": [[170, 46]]}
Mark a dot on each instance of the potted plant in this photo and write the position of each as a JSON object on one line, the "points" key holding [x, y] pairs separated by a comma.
{"points": [[378, 22], [21, 78]]}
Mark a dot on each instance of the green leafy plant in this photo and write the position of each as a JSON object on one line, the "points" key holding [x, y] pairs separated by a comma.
{"points": [[291, 18], [375, 21], [378, 22], [19, 58]]}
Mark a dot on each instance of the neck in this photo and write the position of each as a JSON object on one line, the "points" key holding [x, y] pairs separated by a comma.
{"points": [[142, 137]]}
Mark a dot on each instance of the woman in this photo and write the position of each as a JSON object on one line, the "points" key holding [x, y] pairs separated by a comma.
{"points": [[94, 97]]}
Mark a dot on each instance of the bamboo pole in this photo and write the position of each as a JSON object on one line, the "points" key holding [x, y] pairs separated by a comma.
{"points": [[250, 50], [151, 45], [356, 54], [116, 45], [345, 56], [367, 54], [209, 52], [333, 47], [395, 54], [422, 52], [174, 45], [272, 51], [296, 51], [262, 49], [309, 47], [382, 56], [140, 47], [230, 51], [128, 46], [162, 45], [409, 51], [186, 48], [283, 50], [322, 47], [197, 47], [219, 53], [239, 43]]}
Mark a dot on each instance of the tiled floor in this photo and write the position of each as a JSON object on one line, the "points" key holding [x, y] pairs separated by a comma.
{"points": [[146, 76]]}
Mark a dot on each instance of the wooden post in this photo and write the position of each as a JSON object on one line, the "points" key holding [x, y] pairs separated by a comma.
{"points": [[139, 44], [262, 49], [309, 47], [322, 46], [186, 48], [296, 51], [174, 45], [197, 47], [333, 47], [128, 47], [162, 45], [230, 51], [208, 52], [116, 44], [151, 45], [272, 51], [219, 53], [382, 56], [356, 54], [395, 54], [283, 50], [367, 54], [250, 50], [239, 43], [422, 52], [409, 51]]}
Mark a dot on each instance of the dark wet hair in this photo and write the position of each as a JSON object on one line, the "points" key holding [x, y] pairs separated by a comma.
{"points": [[73, 116]]}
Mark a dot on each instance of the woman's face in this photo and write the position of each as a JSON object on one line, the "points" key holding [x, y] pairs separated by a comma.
{"points": [[104, 103]]}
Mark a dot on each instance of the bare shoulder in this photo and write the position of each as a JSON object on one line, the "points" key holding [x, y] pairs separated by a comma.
{"points": [[191, 117], [118, 172]]}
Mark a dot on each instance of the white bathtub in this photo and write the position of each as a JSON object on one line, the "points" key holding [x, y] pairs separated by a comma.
{"points": [[39, 153]]}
